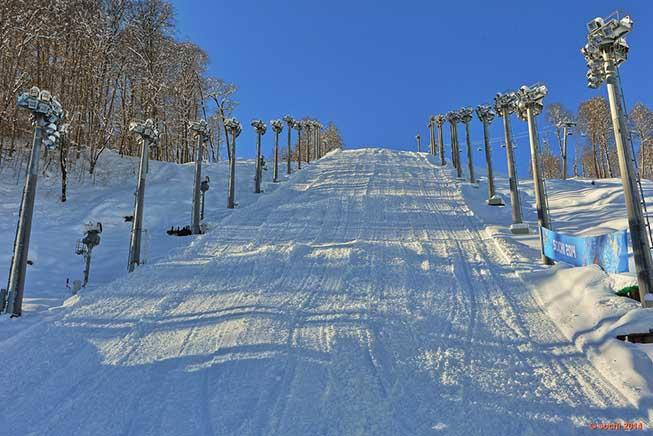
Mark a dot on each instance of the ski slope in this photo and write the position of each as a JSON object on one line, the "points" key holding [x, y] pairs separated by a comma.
{"points": [[362, 297]]}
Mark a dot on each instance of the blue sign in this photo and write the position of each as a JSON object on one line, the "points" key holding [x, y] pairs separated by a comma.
{"points": [[609, 251]]}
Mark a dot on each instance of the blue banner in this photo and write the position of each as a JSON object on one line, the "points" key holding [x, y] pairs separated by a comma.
{"points": [[609, 251]]}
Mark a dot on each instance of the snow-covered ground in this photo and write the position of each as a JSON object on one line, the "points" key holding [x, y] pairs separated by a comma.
{"points": [[362, 297], [581, 301], [108, 197]]}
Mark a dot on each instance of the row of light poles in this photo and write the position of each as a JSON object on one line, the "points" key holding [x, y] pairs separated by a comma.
{"points": [[47, 117], [605, 50]]}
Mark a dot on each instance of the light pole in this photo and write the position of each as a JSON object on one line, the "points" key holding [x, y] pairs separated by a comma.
{"points": [[290, 122], [260, 128], [454, 117], [149, 136], [308, 126], [439, 121], [234, 127], [201, 131], [431, 126], [277, 127], [606, 48], [418, 138], [466, 117], [318, 140], [299, 125], [529, 105], [486, 115], [566, 125], [47, 115], [504, 105]]}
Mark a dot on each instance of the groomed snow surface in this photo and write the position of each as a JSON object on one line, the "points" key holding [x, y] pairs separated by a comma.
{"points": [[363, 296]]}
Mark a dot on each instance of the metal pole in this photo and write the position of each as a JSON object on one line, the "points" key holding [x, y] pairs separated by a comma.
{"points": [[87, 268], [137, 222], [299, 149], [459, 168], [538, 183], [419, 143], [430, 127], [195, 224], [275, 172], [564, 153], [638, 234], [232, 173], [488, 159], [319, 142], [309, 141], [289, 170], [512, 174], [257, 178], [441, 140], [453, 145], [470, 155], [203, 200], [18, 271]]}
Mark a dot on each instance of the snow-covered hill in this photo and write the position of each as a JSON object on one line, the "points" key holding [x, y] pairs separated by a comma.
{"points": [[363, 297], [108, 197]]}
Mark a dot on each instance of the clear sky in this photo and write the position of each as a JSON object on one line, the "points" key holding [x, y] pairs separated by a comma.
{"points": [[378, 69]]}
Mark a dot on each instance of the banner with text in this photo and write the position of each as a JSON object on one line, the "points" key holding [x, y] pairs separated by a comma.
{"points": [[609, 251]]}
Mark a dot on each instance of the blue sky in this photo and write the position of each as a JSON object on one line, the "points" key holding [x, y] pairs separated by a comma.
{"points": [[378, 69]]}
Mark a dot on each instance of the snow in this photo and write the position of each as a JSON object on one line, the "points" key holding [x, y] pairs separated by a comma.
{"points": [[364, 296], [581, 301]]}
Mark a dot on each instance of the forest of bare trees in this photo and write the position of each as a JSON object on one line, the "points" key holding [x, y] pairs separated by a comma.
{"points": [[109, 62], [592, 142]]}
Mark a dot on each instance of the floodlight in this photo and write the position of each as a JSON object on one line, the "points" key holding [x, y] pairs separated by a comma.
{"points": [[505, 103], [277, 125], [439, 120], [595, 24], [605, 39], [453, 117], [45, 96], [259, 126], [484, 113], [465, 114]]}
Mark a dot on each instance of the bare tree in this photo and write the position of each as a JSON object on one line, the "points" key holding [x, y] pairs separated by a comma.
{"points": [[595, 123], [642, 120]]}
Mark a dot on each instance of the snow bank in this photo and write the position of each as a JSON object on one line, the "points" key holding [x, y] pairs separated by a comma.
{"points": [[581, 301]]}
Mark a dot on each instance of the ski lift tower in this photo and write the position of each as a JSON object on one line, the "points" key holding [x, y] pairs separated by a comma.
{"points": [[605, 50], [566, 126], [47, 114]]}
